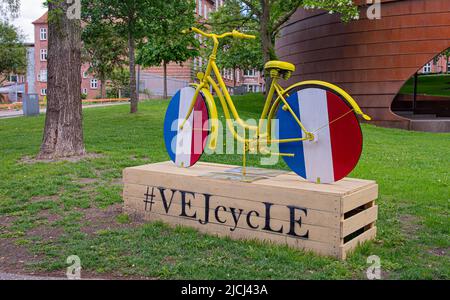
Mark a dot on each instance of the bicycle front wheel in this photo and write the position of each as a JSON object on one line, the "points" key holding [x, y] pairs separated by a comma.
{"points": [[338, 142], [186, 146]]}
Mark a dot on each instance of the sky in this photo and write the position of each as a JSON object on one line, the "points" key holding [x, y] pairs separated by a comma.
{"points": [[30, 10]]}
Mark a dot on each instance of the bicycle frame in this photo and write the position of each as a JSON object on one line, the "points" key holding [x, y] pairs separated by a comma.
{"points": [[268, 113], [227, 103]]}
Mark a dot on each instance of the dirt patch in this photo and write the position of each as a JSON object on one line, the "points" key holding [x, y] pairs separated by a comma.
{"points": [[169, 260], [86, 180], [46, 232], [14, 257], [409, 224], [73, 159], [118, 181], [439, 251], [104, 219], [51, 218], [6, 221], [37, 199]]}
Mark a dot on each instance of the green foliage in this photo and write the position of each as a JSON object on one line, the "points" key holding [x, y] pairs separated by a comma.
{"points": [[269, 16], [128, 18], [167, 43], [243, 54], [119, 80], [9, 8], [12, 52], [103, 49]]}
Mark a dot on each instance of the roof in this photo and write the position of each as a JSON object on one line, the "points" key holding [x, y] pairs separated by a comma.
{"points": [[42, 20]]}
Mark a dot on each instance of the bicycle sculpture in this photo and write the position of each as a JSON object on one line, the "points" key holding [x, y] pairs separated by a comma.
{"points": [[318, 134]]}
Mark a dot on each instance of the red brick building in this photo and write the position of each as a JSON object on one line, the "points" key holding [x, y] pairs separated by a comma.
{"points": [[181, 75], [90, 86], [436, 66], [151, 79]]}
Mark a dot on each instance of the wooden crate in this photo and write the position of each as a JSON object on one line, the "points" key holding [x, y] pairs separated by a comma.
{"points": [[282, 208]]}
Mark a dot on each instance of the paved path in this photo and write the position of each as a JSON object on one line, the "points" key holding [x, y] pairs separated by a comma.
{"points": [[7, 276], [5, 114]]}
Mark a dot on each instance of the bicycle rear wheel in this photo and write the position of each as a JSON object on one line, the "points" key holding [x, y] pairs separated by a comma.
{"points": [[186, 146], [337, 148]]}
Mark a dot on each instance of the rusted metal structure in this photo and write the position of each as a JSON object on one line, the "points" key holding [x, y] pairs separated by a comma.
{"points": [[371, 59]]}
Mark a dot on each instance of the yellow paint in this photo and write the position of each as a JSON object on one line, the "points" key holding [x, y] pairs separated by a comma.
{"points": [[270, 107], [282, 65]]}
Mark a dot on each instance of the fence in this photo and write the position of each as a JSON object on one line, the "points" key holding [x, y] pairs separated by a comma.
{"points": [[153, 85], [18, 105]]}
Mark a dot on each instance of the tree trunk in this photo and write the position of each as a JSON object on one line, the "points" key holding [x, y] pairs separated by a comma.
{"points": [[63, 133], [234, 77], [103, 86], [165, 94], [267, 46], [133, 92]]}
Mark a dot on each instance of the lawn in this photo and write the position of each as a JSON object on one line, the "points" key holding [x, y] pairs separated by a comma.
{"points": [[433, 85], [49, 211]]}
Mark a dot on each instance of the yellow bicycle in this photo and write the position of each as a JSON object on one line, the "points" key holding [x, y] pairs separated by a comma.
{"points": [[316, 126]]}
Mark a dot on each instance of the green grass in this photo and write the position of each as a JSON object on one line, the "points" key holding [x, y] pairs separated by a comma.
{"points": [[411, 168], [433, 85]]}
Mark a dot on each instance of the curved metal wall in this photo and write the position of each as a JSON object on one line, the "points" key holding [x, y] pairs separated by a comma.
{"points": [[371, 59]]}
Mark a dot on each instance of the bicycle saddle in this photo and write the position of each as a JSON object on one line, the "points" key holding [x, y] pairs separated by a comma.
{"points": [[280, 65]]}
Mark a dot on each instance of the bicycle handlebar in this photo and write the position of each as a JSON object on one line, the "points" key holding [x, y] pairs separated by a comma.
{"points": [[234, 33]]}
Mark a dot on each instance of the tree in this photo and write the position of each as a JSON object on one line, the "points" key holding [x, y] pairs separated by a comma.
{"points": [[9, 8], [133, 19], [236, 53], [270, 15], [446, 55], [120, 78], [103, 50], [63, 133], [12, 52], [168, 44]]}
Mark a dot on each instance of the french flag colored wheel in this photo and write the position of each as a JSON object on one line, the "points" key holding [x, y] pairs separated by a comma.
{"points": [[186, 146], [338, 142]]}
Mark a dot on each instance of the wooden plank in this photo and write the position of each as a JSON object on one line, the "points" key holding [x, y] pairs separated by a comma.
{"points": [[315, 233], [288, 181], [242, 234], [351, 245], [232, 189], [359, 221], [281, 208], [359, 198], [279, 212]]}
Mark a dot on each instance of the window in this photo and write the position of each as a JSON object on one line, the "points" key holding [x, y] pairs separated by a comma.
{"points": [[94, 84], [250, 73], [42, 76], [448, 67], [427, 68], [253, 88], [43, 92], [206, 11], [43, 54], [200, 7], [13, 78], [84, 91], [43, 34], [85, 74]]}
